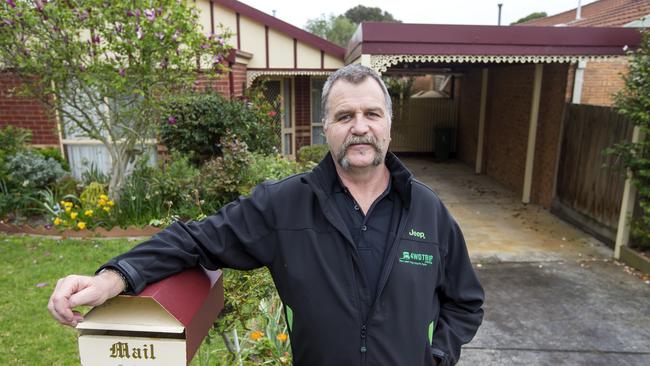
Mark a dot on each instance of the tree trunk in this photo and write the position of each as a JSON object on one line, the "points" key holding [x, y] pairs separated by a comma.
{"points": [[120, 160]]}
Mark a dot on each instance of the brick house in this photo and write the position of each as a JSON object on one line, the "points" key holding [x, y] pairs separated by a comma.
{"points": [[597, 82], [294, 64]]}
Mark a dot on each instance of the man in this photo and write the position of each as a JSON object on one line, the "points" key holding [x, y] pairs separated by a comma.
{"points": [[369, 264]]}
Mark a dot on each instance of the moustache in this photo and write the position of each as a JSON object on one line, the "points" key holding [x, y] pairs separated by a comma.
{"points": [[366, 139]]}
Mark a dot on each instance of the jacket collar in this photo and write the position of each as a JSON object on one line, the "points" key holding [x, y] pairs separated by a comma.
{"points": [[325, 176]]}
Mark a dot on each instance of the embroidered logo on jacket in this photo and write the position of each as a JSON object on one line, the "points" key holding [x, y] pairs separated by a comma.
{"points": [[417, 234], [418, 259]]}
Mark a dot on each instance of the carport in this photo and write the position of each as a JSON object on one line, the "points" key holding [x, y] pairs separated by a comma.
{"points": [[511, 85]]}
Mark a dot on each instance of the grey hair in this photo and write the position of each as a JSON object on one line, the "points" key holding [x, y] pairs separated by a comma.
{"points": [[355, 74]]}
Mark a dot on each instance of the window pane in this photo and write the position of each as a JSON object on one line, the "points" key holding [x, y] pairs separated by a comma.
{"points": [[316, 91], [287, 103], [288, 140], [317, 136]]}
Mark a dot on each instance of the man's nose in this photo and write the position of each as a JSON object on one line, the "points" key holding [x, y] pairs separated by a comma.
{"points": [[360, 124]]}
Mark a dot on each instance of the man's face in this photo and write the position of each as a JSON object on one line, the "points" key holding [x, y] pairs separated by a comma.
{"points": [[357, 126]]}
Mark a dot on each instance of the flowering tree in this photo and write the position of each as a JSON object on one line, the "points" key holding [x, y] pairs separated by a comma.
{"points": [[105, 66]]}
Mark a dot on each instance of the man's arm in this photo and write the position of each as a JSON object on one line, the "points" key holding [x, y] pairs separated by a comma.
{"points": [[461, 299], [239, 236]]}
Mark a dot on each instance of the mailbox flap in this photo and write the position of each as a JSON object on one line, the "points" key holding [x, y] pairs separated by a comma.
{"points": [[128, 313]]}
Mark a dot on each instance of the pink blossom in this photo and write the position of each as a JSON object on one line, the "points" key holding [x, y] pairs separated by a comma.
{"points": [[122, 72], [137, 13], [11, 3], [171, 120], [272, 113]]}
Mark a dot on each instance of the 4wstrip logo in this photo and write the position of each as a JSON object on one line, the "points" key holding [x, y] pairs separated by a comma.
{"points": [[418, 259]]}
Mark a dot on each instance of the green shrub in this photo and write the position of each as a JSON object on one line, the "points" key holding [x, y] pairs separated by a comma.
{"points": [[14, 140], [31, 170], [313, 153], [633, 102], [154, 193], [194, 124], [54, 153]]}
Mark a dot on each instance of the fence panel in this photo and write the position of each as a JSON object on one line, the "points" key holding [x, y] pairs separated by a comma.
{"points": [[415, 121], [587, 183]]}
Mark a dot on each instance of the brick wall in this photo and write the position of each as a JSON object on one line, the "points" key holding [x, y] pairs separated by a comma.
{"points": [[554, 86], [26, 113], [303, 111], [239, 78], [470, 105], [222, 84], [602, 79], [507, 122]]}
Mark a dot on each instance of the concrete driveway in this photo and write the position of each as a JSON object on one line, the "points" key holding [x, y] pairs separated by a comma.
{"points": [[554, 296]]}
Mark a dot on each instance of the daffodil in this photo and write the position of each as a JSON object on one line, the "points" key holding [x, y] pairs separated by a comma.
{"points": [[73, 215], [103, 197], [81, 225], [101, 202], [57, 221], [68, 209], [110, 203], [88, 213]]}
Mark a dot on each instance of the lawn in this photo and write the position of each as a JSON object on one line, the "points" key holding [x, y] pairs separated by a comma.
{"points": [[32, 265]]}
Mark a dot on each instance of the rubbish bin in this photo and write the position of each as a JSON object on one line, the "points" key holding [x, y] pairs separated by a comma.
{"points": [[442, 147]]}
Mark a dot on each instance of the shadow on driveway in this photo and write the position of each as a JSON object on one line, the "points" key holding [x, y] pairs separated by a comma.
{"points": [[554, 295]]}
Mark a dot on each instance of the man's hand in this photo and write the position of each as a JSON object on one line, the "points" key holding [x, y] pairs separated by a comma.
{"points": [[73, 291]]}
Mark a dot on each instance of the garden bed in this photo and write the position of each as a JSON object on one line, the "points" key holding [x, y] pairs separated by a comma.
{"points": [[99, 232]]}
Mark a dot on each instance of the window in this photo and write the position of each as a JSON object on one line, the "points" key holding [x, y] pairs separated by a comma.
{"points": [[317, 135]]}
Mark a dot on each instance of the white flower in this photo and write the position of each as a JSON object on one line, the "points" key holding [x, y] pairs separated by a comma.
{"points": [[25, 182]]}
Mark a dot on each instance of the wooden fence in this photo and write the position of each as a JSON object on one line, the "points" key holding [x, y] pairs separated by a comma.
{"points": [[415, 121], [589, 187]]}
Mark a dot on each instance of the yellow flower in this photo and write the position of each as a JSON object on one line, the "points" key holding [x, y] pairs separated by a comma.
{"points": [[111, 203], [57, 221], [256, 335], [107, 209], [68, 204], [103, 197], [67, 210], [81, 225], [282, 337], [88, 213], [101, 202], [73, 215]]}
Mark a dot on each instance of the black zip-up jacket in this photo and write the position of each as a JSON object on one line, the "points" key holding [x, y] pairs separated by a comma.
{"points": [[428, 300]]}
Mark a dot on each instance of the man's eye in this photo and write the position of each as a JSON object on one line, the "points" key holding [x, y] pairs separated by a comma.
{"points": [[343, 117]]}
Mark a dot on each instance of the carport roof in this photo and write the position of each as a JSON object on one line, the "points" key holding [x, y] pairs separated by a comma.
{"points": [[390, 43]]}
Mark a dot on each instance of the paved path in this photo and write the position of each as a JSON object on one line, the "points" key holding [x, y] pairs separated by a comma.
{"points": [[554, 296]]}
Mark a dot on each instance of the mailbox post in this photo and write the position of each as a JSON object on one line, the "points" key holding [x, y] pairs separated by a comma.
{"points": [[163, 325]]}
